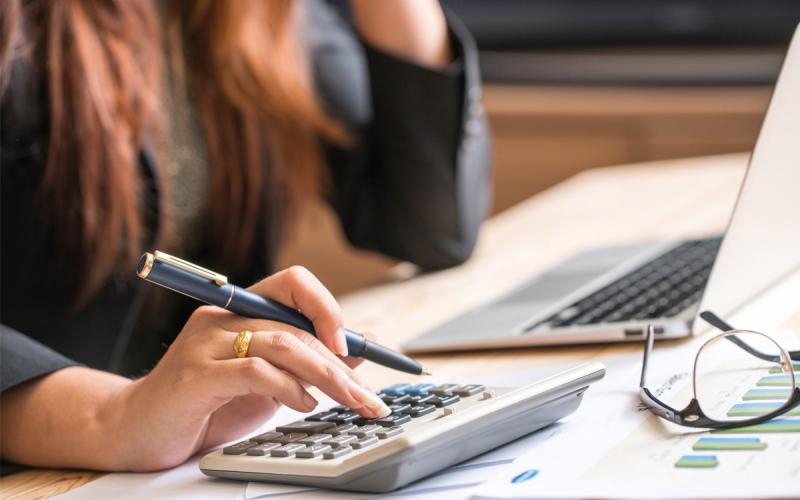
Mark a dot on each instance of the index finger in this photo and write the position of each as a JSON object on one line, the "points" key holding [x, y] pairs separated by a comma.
{"points": [[299, 288]]}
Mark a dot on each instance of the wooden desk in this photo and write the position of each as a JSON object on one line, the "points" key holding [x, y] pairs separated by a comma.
{"points": [[597, 207]]}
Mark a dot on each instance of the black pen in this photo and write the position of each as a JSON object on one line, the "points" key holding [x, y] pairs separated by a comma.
{"points": [[212, 288]]}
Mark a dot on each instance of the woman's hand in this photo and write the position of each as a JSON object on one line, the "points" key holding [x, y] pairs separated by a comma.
{"points": [[199, 395]]}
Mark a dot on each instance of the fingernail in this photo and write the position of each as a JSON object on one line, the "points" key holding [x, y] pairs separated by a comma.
{"points": [[370, 400], [310, 402], [341, 343]]}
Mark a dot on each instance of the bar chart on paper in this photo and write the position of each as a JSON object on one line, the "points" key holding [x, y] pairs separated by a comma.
{"points": [[628, 454]]}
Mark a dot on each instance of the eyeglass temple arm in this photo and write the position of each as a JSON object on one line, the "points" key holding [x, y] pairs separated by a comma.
{"points": [[647, 350], [719, 324]]}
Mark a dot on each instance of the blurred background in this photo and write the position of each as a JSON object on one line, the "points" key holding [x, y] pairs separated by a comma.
{"points": [[576, 84]]}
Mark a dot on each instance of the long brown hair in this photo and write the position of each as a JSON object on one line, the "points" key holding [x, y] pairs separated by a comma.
{"points": [[102, 62]]}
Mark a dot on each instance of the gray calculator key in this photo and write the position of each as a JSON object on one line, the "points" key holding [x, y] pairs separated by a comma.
{"points": [[238, 448], [393, 420], [340, 441], [341, 429], [420, 410], [443, 389], [421, 400], [312, 451], [389, 432], [345, 418], [287, 450], [446, 400], [400, 408], [291, 438], [366, 430], [395, 400], [314, 439], [468, 390], [322, 416], [364, 442], [328, 455], [305, 426], [262, 449], [267, 436]]}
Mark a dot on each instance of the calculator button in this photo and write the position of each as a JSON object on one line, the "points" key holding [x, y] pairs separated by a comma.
{"points": [[290, 438], [340, 441], [340, 409], [341, 429], [420, 389], [366, 430], [393, 420], [314, 439], [420, 410], [364, 421], [389, 432], [364, 442], [322, 416], [420, 400], [305, 426], [238, 448], [287, 450], [443, 389], [401, 408], [336, 453], [267, 436], [262, 449], [447, 400], [466, 391], [345, 418], [312, 451], [394, 400], [397, 389]]}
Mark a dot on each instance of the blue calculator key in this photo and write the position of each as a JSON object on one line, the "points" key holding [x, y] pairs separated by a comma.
{"points": [[420, 389], [397, 389]]}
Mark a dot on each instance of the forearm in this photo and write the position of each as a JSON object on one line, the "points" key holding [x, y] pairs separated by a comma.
{"points": [[69, 418], [412, 29]]}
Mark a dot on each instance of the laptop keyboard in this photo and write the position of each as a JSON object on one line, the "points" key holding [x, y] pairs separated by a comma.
{"points": [[661, 288]]}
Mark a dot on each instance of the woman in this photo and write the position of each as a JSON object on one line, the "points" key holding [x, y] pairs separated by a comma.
{"points": [[198, 127]]}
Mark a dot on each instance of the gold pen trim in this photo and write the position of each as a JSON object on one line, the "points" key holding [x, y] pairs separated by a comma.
{"points": [[145, 265], [186, 266]]}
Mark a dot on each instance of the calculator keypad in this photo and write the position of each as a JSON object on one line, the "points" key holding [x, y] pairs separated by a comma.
{"points": [[339, 431]]}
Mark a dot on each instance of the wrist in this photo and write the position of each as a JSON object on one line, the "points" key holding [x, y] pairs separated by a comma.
{"points": [[114, 427]]}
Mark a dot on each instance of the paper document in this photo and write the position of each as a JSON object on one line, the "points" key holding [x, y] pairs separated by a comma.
{"points": [[613, 448]]}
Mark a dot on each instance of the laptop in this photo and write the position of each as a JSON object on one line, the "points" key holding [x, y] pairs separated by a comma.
{"points": [[611, 294]]}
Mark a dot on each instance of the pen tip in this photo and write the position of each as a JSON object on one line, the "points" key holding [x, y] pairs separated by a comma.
{"points": [[425, 372]]}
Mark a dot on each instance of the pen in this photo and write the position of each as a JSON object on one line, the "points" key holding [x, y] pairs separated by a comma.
{"points": [[212, 288]]}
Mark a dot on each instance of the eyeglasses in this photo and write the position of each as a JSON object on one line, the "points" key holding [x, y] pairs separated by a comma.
{"points": [[728, 365]]}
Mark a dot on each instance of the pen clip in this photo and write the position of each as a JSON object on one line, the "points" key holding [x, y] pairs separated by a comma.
{"points": [[192, 268]]}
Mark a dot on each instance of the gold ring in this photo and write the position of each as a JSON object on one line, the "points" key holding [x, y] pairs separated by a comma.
{"points": [[241, 344]]}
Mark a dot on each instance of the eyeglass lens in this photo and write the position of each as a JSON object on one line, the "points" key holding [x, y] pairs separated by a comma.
{"points": [[725, 371]]}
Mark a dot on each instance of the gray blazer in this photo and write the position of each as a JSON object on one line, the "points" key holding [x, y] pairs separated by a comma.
{"points": [[415, 188]]}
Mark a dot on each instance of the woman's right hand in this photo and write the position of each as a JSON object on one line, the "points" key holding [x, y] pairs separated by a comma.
{"points": [[199, 395]]}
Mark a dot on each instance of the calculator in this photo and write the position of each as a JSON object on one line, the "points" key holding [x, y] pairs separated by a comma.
{"points": [[431, 427]]}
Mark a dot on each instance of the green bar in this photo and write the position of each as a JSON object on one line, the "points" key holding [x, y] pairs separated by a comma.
{"points": [[777, 380], [777, 369], [774, 425], [766, 394], [728, 444], [697, 461], [760, 408]]}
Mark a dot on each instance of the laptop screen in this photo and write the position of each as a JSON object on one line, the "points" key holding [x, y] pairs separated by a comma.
{"points": [[762, 243]]}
